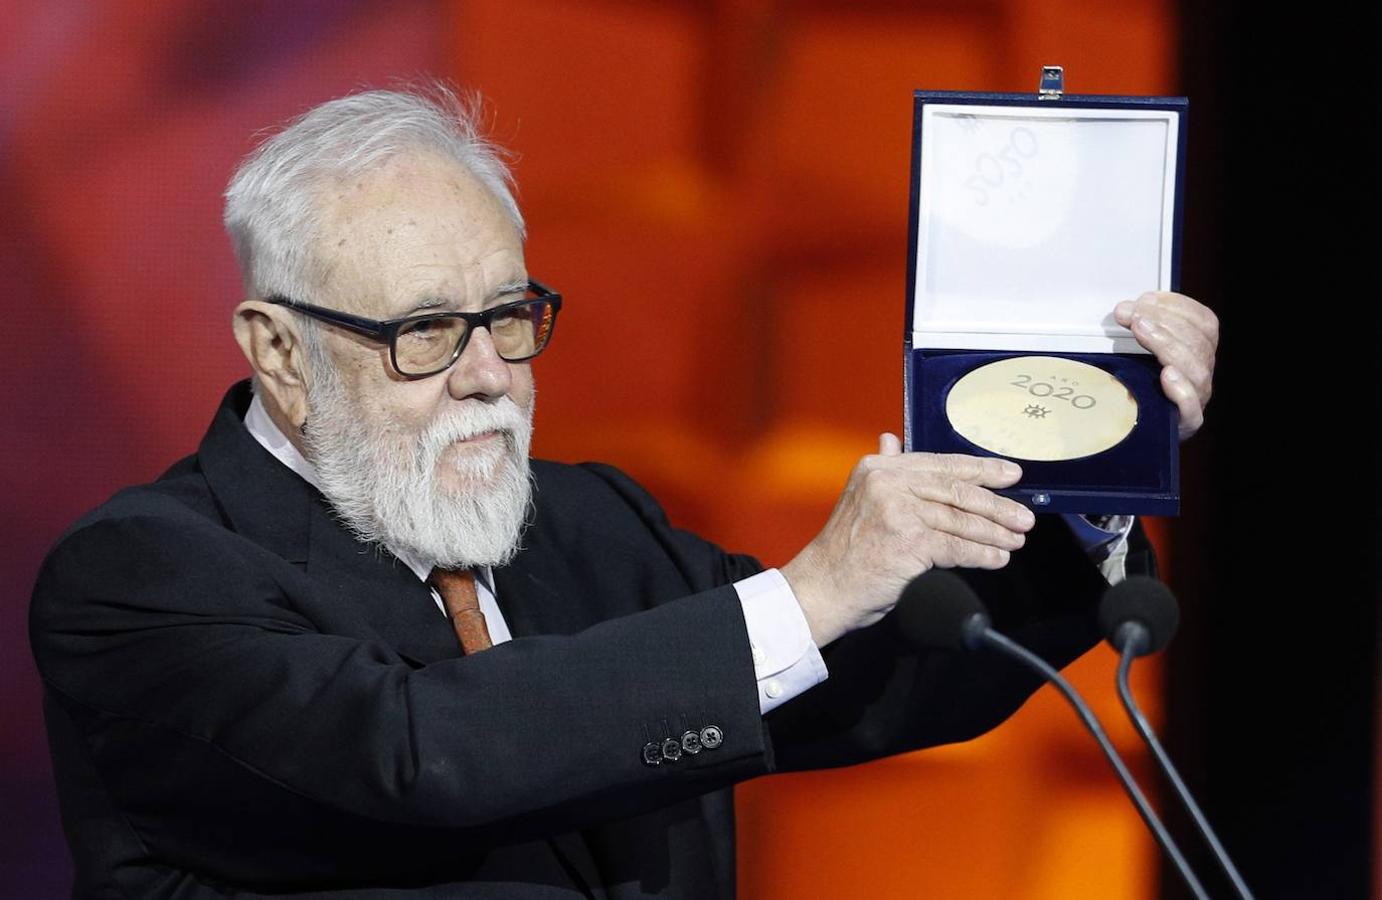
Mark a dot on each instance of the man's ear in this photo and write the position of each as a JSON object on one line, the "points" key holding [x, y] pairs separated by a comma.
{"points": [[269, 337]]}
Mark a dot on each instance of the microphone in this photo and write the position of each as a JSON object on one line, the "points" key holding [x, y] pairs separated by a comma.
{"points": [[938, 611], [1138, 616]]}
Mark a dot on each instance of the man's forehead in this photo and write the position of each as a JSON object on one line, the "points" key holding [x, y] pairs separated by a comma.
{"points": [[418, 231], [395, 194]]}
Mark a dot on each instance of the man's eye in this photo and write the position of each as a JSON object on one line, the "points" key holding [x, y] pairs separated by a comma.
{"points": [[429, 330], [432, 327]]}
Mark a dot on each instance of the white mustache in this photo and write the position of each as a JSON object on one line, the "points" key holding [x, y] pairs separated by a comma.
{"points": [[468, 422]]}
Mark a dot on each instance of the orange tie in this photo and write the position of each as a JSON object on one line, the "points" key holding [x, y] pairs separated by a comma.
{"points": [[457, 589]]}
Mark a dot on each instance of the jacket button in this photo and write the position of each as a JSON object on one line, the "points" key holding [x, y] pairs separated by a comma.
{"points": [[652, 754], [691, 742], [712, 737], [671, 749]]}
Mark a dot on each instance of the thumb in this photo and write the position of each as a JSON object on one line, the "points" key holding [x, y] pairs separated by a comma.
{"points": [[888, 444]]}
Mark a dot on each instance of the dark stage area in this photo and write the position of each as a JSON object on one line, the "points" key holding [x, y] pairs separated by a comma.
{"points": [[1273, 681]]}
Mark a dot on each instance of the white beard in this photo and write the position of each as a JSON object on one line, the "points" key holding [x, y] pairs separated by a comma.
{"points": [[385, 487]]}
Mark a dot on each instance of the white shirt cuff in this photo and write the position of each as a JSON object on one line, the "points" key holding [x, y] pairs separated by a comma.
{"points": [[785, 659]]}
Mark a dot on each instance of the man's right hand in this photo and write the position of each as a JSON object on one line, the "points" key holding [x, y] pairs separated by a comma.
{"points": [[900, 515]]}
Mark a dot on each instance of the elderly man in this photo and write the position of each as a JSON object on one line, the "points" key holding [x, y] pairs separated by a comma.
{"points": [[359, 645]]}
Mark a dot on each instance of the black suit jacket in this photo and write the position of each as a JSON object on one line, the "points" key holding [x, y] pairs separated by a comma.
{"points": [[242, 699]]}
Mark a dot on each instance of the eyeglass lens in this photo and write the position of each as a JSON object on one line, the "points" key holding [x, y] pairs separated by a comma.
{"points": [[428, 345]]}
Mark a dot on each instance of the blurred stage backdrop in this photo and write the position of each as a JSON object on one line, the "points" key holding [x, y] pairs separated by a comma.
{"points": [[720, 191]]}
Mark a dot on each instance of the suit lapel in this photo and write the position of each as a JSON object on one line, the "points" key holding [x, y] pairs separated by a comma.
{"points": [[536, 591], [380, 590], [270, 505], [530, 599]]}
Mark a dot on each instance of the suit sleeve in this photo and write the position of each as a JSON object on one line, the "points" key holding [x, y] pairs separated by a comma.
{"points": [[207, 705], [883, 697]]}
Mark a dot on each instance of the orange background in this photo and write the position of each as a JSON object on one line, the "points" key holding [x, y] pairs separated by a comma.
{"points": [[720, 191]]}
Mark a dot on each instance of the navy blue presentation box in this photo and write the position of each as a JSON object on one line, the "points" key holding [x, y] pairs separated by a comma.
{"points": [[1030, 219]]}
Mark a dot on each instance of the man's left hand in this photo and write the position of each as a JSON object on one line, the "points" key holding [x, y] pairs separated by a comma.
{"points": [[1183, 335]]}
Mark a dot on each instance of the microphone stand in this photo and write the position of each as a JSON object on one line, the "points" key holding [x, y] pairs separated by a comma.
{"points": [[1017, 651], [1129, 653]]}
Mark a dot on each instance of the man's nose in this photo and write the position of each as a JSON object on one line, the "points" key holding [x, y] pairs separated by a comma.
{"points": [[480, 373]]}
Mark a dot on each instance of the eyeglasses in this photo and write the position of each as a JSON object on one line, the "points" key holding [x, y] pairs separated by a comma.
{"points": [[425, 345]]}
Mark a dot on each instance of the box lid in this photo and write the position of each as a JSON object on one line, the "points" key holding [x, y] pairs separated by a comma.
{"points": [[1032, 218]]}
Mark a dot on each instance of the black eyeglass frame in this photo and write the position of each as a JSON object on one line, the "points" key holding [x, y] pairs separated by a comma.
{"points": [[386, 331]]}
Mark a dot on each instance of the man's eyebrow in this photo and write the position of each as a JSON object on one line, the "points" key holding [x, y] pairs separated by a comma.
{"points": [[517, 286], [427, 303]]}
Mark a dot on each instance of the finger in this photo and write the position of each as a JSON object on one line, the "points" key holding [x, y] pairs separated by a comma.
{"points": [[888, 444], [1187, 400], [969, 527], [1187, 308], [1178, 343], [1123, 312], [1201, 316], [989, 471], [1185, 324], [949, 552], [971, 498]]}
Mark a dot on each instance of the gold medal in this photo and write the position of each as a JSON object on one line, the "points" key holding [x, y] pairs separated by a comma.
{"points": [[1041, 408]]}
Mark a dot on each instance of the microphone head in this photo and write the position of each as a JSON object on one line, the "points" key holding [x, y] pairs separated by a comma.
{"points": [[1140, 600], [938, 611]]}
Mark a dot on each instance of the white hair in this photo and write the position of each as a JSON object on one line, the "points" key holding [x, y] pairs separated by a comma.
{"points": [[271, 210]]}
